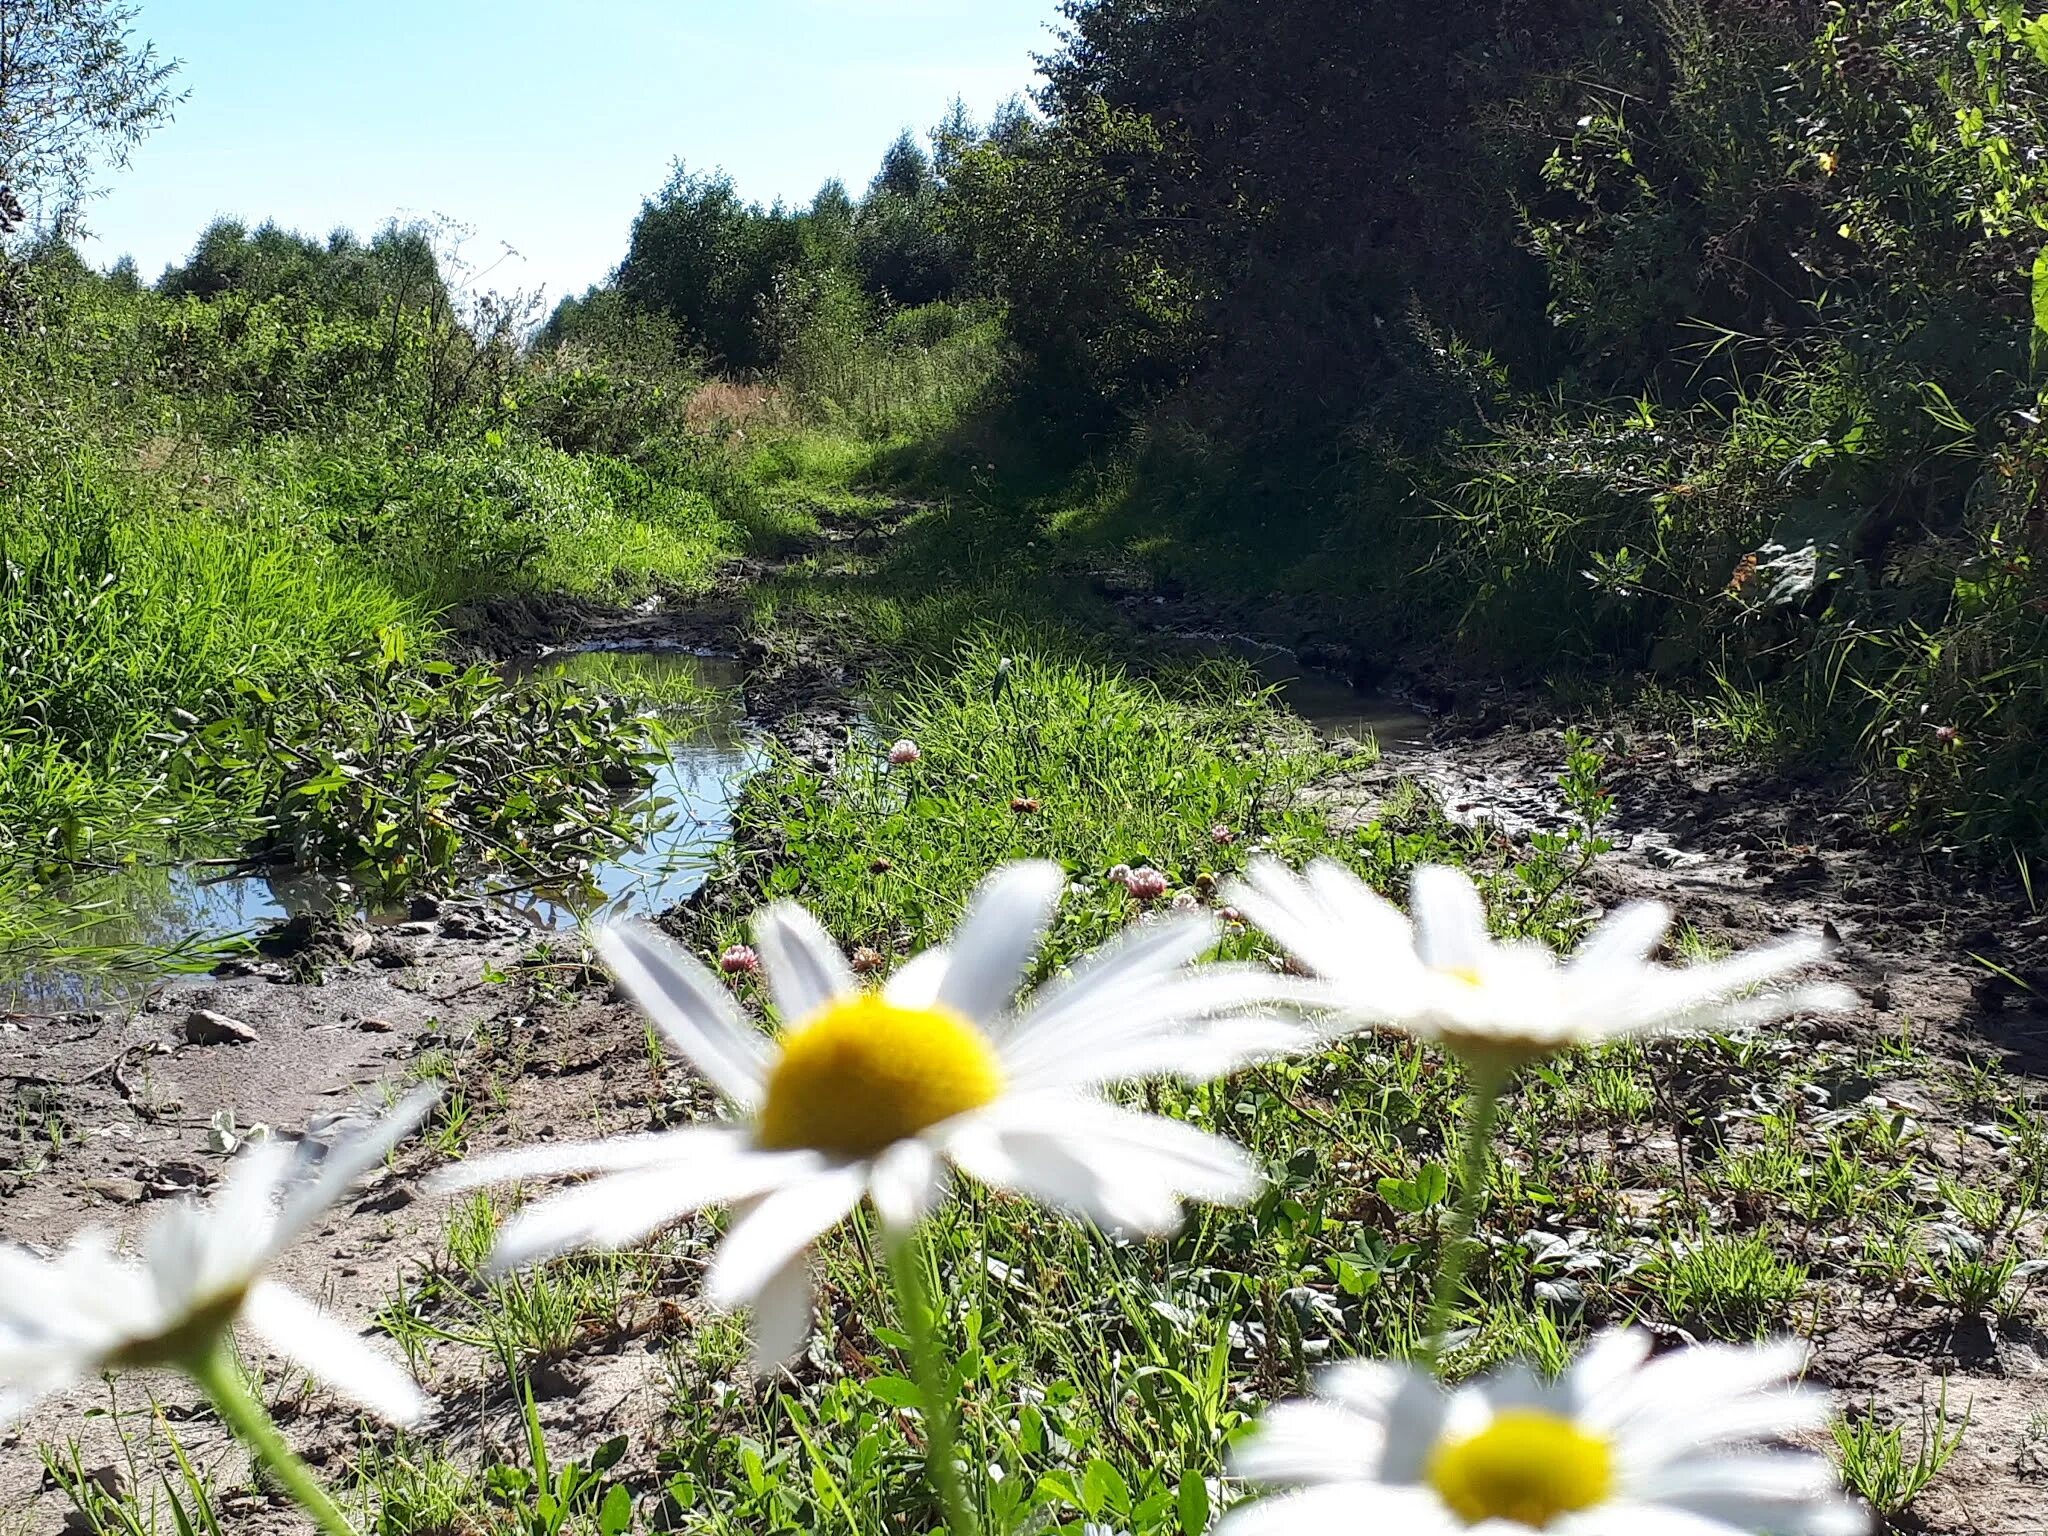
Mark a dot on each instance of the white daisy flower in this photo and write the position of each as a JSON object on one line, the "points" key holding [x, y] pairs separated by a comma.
{"points": [[200, 1271], [1442, 977], [873, 1094], [1618, 1446]]}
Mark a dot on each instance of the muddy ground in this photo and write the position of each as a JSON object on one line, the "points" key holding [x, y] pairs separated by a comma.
{"points": [[116, 1111]]}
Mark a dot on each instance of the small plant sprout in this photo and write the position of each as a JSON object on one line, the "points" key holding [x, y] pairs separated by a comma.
{"points": [[1876, 1464], [904, 753], [90, 1310], [872, 1093], [1621, 1445]]}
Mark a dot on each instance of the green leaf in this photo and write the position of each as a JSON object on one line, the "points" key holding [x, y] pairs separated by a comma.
{"points": [[896, 1391], [1432, 1184], [2041, 295], [1103, 1487], [615, 1517], [1193, 1503]]}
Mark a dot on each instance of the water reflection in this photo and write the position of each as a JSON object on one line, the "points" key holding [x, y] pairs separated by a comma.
{"points": [[124, 932], [1323, 699]]}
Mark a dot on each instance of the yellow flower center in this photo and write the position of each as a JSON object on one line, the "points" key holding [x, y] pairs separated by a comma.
{"points": [[862, 1073], [1464, 973], [1526, 1467]]}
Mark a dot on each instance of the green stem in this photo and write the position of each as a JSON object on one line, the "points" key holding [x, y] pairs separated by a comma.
{"points": [[219, 1375], [1476, 1141], [914, 1303]]}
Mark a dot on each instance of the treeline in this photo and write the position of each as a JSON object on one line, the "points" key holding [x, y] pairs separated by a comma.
{"points": [[1684, 342]]}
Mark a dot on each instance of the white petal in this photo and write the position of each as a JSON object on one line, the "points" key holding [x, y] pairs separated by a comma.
{"points": [[1418, 1416], [1123, 970], [1516, 1386], [1628, 1517], [689, 1005], [782, 1316], [1197, 1163], [1369, 922], [622, 1209], [1092, 1038], [1308, 1442], [1777, 1475], [1696, 1377], [1740, 1512], [805, 969], [1123, 1142], [1608, 1361], [995, 941], [1338, 1509], [1450, 919], [916, 982], [1049, 1168], [196, 1251], [1625, 939], [1742, 1013], [344, 1360], [349, 1158], [1191, 1055], [1675, 1430], [778, 1229], [615, 1154], [907, 1182], [1753, 967], [1370, 1388], [1337, 927]]}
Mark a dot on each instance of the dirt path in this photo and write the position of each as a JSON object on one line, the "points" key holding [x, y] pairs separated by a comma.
{"points": [[117, 1111]]}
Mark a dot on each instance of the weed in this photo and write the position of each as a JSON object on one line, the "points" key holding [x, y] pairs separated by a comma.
{"points": [[1734, 1287], [1875, 1463]]}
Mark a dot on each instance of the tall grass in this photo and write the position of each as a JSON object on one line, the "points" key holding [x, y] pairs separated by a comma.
{"points": [[237, 511]]}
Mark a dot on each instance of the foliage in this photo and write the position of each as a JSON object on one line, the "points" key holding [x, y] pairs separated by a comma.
{"points": [[226, 500], [1694, 344], [421, 774], [78, 91], [735, 279]]}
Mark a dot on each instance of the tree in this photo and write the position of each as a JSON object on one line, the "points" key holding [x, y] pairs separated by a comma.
{"points": [[905, 172], [704, 257], [78, 91]]}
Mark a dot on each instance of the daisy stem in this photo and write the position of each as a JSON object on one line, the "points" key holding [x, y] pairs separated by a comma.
{"points": [[1475, 1143], [914, 1303], [219, 1375]]}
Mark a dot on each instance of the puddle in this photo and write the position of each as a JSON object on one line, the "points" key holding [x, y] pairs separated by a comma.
{"points": [[147, 923], [188, 913], [1337, 709], [1323, 699], [689, 804], [654, 676]]}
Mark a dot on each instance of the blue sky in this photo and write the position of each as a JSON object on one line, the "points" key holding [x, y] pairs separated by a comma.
{"points": [[542, 123]]}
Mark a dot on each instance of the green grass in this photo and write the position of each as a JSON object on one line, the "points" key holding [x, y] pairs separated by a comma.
{"points": [[1047, 757], [222, 524]]}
